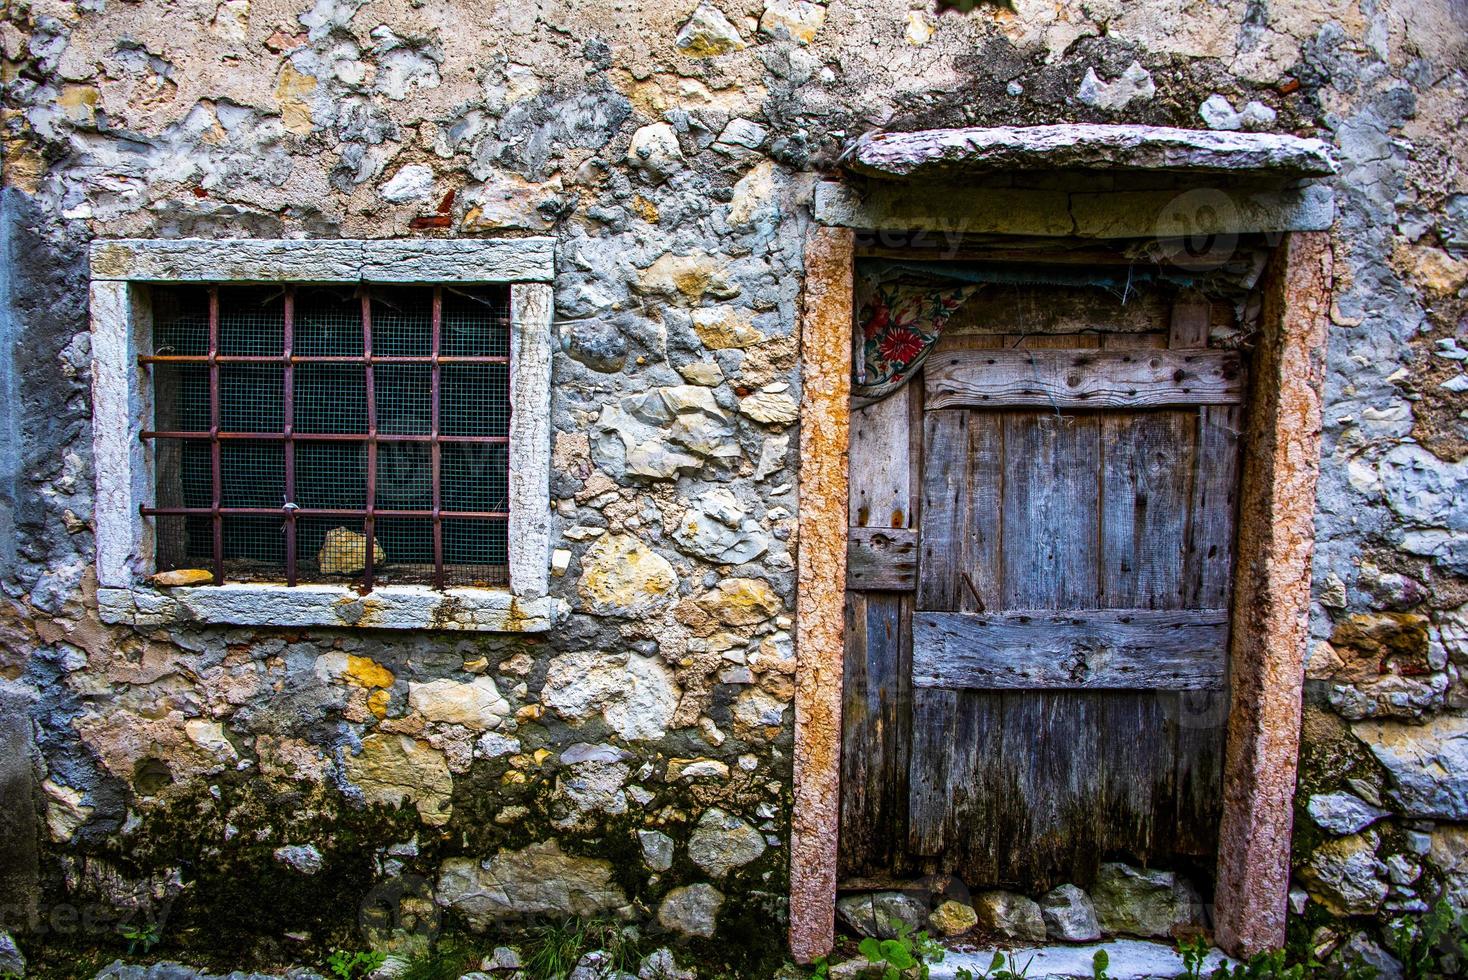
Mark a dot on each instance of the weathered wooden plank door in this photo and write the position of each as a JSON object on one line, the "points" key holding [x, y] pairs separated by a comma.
{"points": [[1037, 615]]}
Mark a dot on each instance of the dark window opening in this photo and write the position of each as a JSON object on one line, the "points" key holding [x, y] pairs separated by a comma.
{"points": [[326, 433]]}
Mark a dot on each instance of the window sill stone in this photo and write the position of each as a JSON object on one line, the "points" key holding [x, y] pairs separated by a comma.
{"points": [[387, 607]]}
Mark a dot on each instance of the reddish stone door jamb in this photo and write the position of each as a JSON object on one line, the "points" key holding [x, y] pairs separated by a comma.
{"points": [[820, 601], [1271, 594]]}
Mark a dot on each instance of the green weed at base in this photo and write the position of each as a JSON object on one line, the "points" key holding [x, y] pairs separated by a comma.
{"points": [[353, 965]]}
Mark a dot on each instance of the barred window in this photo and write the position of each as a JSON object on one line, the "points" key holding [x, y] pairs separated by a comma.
{"points": [[337, 433]]}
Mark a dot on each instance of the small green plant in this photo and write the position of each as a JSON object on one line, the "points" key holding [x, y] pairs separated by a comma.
{"points": [[906, 951], [140, 938], [1193, 952], [1435, 944], [1099, 963], [1001, 968], [354, 965]]}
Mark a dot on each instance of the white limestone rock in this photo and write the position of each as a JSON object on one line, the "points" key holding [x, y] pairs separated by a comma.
{"points": [[692, 910], [621, 576], [717, 527], [537, 880], [1218, 113], [1427, 763], [587, 790], [1069, 915], [798, 20], [412, 183], [477, 705], [654, 150], [1134, 84], [771, 405], [722, 842], [1343, 813], [635, 695]]}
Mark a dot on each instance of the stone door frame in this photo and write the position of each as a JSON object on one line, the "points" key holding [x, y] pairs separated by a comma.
{"points": [[1269, 630]]}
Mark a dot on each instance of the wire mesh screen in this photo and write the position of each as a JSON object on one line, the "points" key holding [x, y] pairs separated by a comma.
{"points": [[328, 433]]}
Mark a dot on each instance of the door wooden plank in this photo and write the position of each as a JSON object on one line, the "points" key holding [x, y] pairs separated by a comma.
{"points": [[1090, 379], [1056, 310], [963, 479], [880, 479], [1040, 794], [881, 559], [876, 718], [1146, 486], [1189, 322], [1210, 547], [946, 501], [1049, 534], [1202, 724], [934, 716], [1130, 649]]}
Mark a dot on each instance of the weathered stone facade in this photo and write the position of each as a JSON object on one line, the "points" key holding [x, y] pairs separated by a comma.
{"points": [[277, 789]]}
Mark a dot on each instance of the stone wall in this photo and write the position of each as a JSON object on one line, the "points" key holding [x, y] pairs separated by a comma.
{"points": [[260, 784]]}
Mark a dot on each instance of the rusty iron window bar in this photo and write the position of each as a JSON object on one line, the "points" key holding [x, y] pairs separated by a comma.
{"points": [[352, 426]]}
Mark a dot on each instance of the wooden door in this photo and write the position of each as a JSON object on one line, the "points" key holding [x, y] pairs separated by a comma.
{"points": [[1037, 616]]}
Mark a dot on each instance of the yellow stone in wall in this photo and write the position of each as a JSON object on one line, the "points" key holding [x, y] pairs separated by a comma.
{"points": [[292, 92], [367, 672]]}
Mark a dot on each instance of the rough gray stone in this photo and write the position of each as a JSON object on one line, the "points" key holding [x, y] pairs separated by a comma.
{"points": [[692, 910], [1011, 916], [1345, 875], [951, 152], [1427, 764], [708, 33], [597, 344], [1343, 813], [12, 961], [661, 433], [502, 958], [537, 880], [722, 842], [660, 964], [1133, 85], [657, 849], [1137, 902], [654, 150], [1069, 915], [1361, 949], [876, 913], [717, 527], [304, 858]]}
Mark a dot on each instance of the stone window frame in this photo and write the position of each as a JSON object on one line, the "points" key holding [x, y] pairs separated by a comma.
{"points": [[122, 270], [1268, 620]]}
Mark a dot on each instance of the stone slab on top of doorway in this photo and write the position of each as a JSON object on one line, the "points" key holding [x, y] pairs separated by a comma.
{"points": [[949, 153]]}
